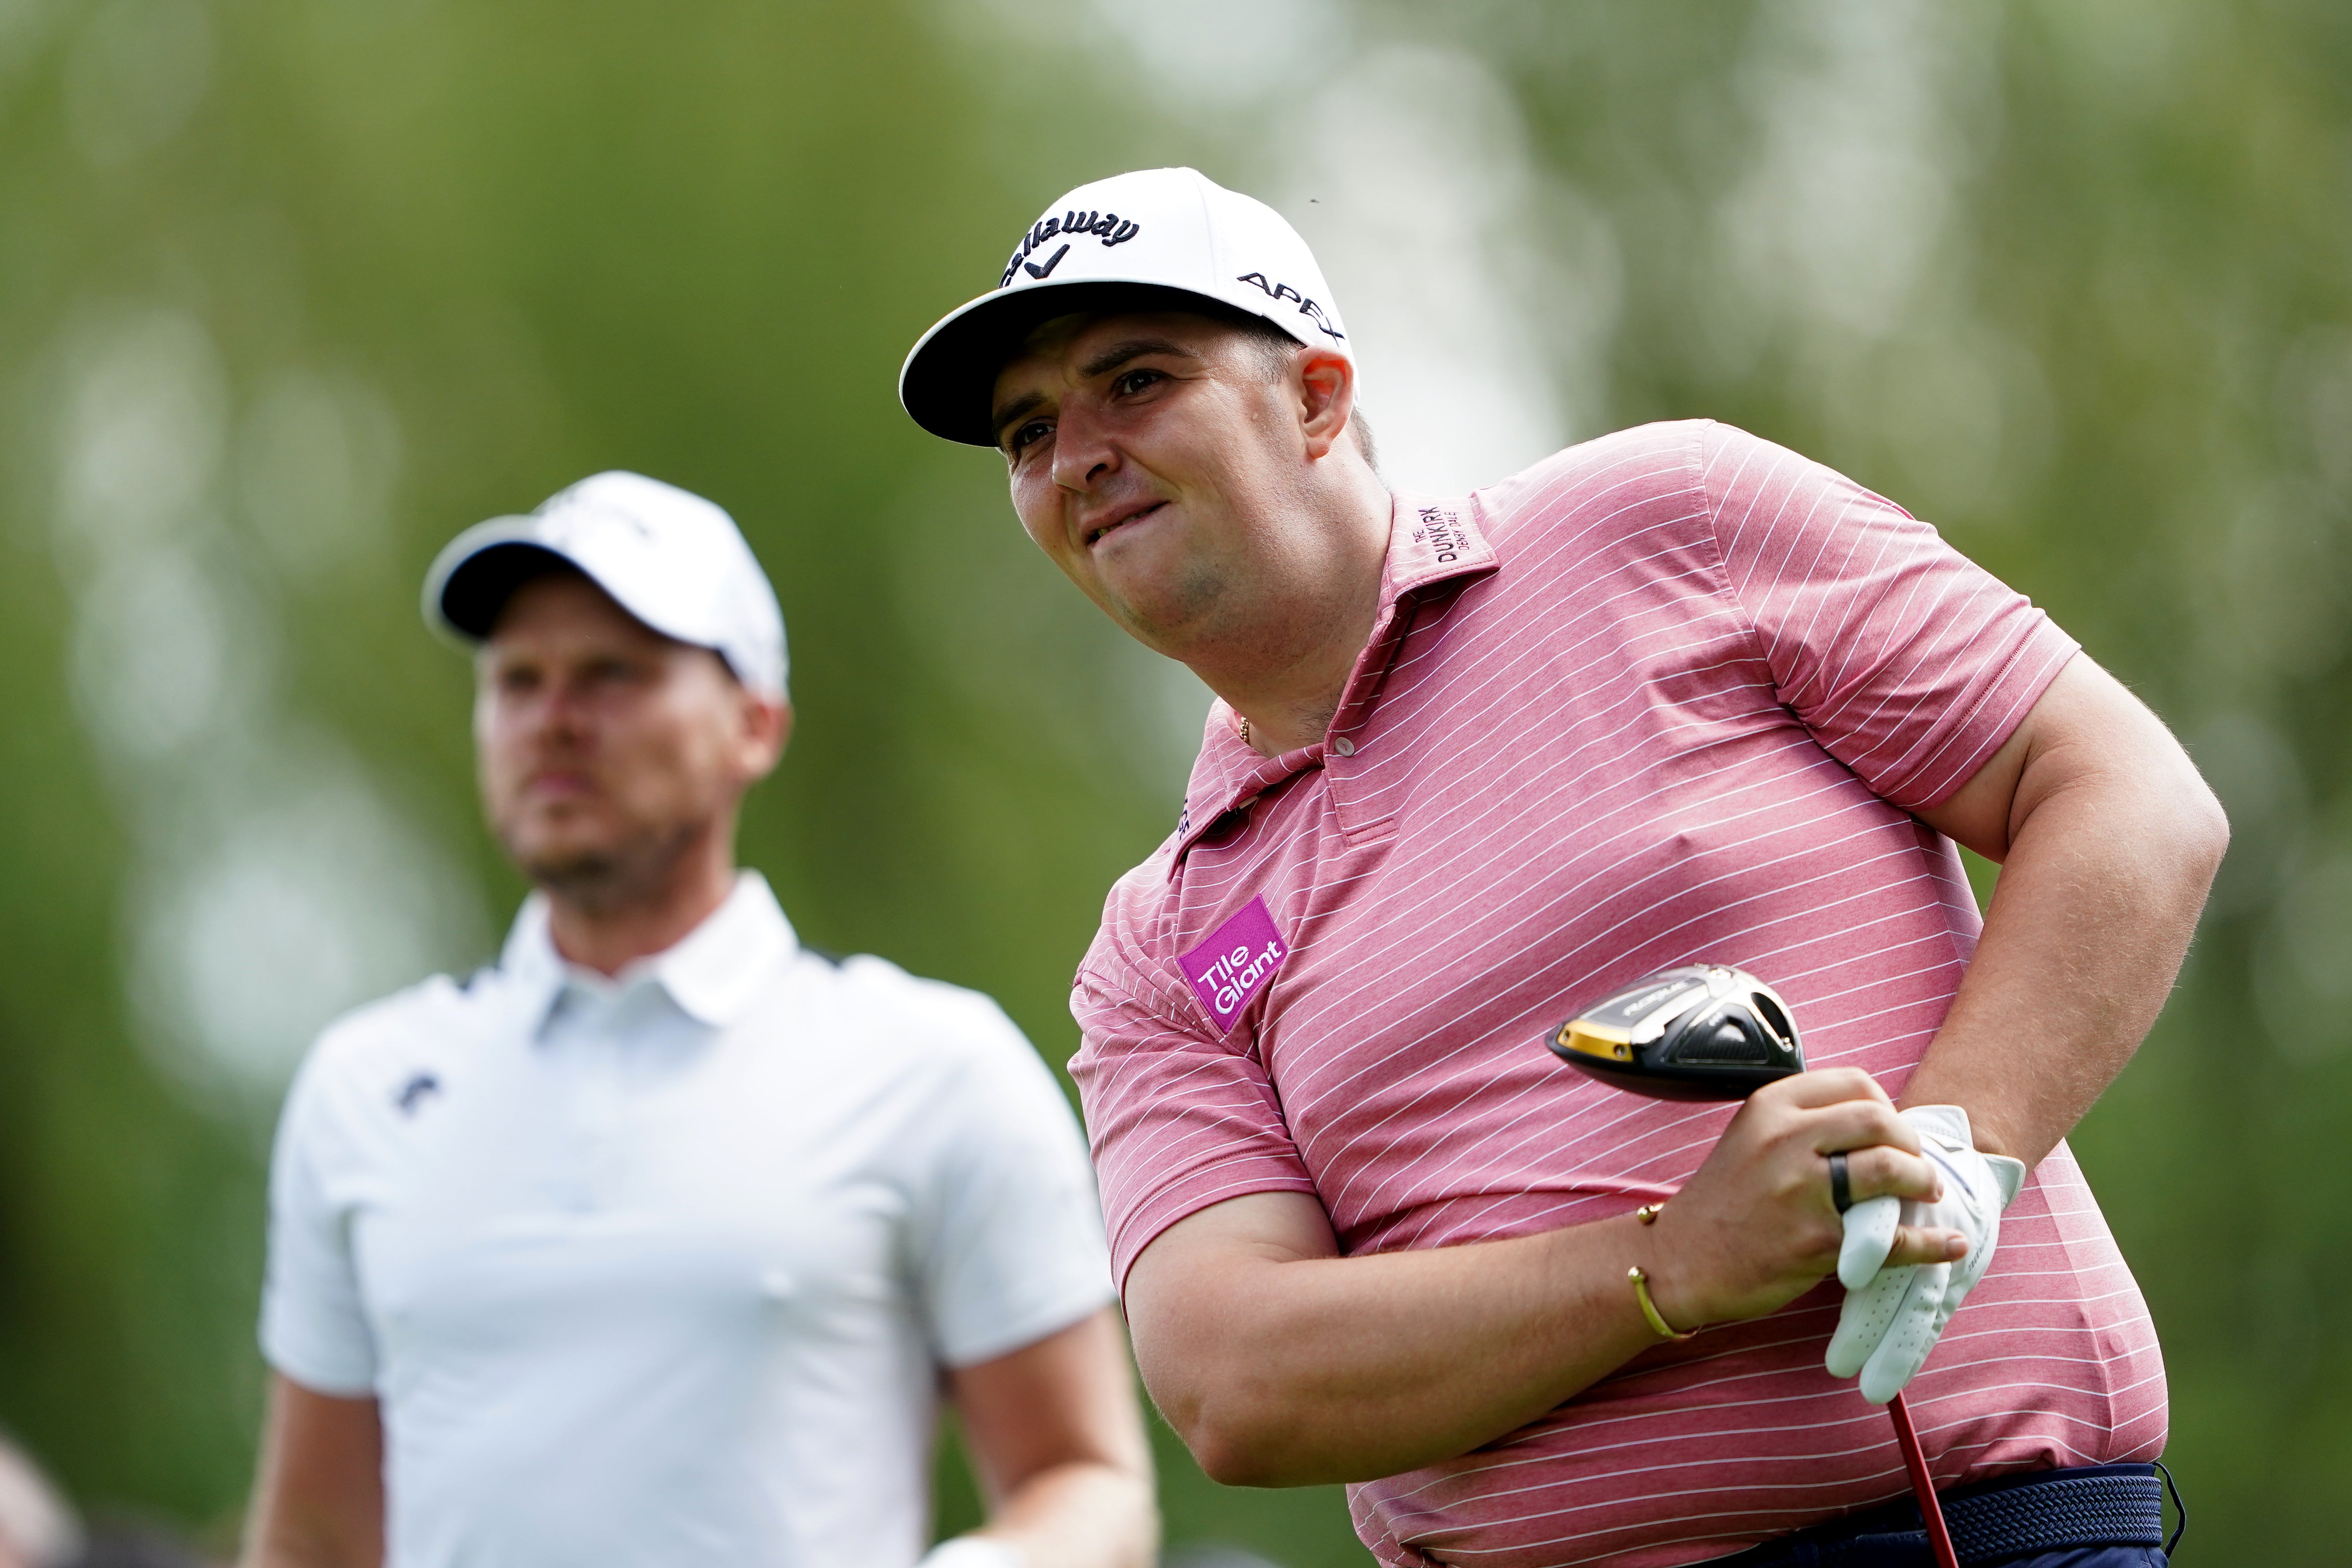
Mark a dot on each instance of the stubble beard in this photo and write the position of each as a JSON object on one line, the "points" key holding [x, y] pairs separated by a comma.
{"points": [[1185, 615], [638, 870]]}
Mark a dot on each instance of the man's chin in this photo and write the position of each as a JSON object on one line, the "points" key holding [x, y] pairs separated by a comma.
{"points": [[559, 863], [596, 869], [1167, 611]]}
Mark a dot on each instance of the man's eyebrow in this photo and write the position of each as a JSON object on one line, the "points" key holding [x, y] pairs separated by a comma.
{"points": [[1119, 353], [1013, 410]]}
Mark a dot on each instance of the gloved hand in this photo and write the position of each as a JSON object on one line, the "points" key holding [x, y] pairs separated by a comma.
{"points": [[1892, 1317]]}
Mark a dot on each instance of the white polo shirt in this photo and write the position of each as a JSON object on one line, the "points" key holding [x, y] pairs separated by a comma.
{"points": [[663, 1269]]}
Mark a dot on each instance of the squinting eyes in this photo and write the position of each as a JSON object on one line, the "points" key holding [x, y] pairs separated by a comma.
{"points": [[1127, 383]]}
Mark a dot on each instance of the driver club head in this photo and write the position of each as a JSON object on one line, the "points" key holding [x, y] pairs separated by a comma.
{"points": [[1704, 1031]]}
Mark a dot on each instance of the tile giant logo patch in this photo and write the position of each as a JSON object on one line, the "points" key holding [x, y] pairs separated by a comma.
{"points": [[1234, 963]]}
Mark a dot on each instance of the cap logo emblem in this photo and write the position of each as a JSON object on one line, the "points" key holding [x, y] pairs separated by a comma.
{"points": [[1109, 227], [1236, 963], [1307, 307], [1052, 261]]}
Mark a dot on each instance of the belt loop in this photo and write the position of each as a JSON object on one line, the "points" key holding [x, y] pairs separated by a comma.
{"points": [[2178, 1507]]}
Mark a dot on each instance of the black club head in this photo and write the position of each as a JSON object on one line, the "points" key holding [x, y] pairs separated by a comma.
{"points": [[1705, 1031]]}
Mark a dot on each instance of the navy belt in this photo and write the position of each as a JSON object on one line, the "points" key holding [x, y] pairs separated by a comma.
{"points": [[1992, 1521]]}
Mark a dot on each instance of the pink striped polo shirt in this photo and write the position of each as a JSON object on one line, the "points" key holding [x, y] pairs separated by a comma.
{"points": [[1667, 696]]}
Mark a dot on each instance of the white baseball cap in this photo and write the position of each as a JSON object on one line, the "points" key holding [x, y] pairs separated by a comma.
{"points": [[1151, 239], [673, 560]]}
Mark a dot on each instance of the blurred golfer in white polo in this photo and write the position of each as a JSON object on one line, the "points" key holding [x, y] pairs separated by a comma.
{"points": [[659, 1242]]}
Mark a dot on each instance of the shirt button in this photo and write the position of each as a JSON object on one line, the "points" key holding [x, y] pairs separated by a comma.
{"points": [[1344, 746]]}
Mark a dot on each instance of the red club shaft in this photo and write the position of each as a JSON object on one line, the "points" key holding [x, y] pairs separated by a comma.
{"points": [[1915, 1460]]}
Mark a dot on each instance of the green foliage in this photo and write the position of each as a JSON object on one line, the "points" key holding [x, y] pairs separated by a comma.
{"points": [[2071, 279]]}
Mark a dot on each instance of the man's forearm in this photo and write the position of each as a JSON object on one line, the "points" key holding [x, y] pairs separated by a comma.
{"points": [[1282, 1364], [318, 1499], [1055, 1438], [1080, 1515], [2110, 850], [1332, 1369]]}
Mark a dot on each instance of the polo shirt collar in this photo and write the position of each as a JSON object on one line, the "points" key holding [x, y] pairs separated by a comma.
{"points": [[1431, 539], [714, 972]]}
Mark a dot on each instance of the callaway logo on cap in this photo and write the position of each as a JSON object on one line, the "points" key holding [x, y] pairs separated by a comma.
{"points": [[1138, 241]]}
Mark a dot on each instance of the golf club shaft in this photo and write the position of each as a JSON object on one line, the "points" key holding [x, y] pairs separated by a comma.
{"points": [[1931, 1513]]}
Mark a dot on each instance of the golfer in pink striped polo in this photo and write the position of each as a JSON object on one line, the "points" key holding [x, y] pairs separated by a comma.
{"points": [[1675, 695]]}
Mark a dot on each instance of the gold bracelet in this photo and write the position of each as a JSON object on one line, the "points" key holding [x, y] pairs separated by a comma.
{"points": [[1650, 1308]]}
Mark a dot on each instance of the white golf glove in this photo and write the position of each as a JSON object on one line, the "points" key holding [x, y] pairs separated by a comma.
{"points": [[1892, 1317]]}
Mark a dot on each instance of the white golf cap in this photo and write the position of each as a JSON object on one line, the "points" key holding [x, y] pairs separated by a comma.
{"points": [[673, 560], [1155, 240]]}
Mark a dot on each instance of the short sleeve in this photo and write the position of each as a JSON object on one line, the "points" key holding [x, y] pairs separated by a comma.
{"points": [[1009, 1247], [1907, 661], [313, 1326], [1179, 1118]]}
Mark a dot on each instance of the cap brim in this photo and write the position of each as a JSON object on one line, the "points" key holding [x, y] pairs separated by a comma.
{"points": [[950, 376], [475, 577]]}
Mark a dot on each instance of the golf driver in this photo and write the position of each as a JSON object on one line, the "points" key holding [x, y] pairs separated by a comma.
{"points": [[1706, 1031]]}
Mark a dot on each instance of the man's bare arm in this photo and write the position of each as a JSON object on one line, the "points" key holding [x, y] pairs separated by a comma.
{"points": [[2108, 840], [1282, 1364], [1056, 1437], [317, 1501]]}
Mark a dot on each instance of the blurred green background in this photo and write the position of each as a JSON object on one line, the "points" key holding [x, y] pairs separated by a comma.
{"points": [[290, 293]]}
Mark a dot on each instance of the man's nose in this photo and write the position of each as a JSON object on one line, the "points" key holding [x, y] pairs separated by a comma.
{"points": [[1082, 453], [560, 710]]}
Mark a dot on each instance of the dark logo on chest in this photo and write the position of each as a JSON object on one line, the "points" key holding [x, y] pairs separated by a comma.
{"points": [[420, 1087]]}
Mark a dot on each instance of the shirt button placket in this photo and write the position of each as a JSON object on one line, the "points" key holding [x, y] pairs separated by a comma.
{"points": [[595, 1101], [609, 1107]]}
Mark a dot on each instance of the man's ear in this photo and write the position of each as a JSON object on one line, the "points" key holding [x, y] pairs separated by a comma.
{"points": [[768, 726], [1327, 387]]}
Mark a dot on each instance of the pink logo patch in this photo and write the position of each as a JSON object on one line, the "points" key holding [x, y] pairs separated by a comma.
{"points": [[1234, 963]]}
